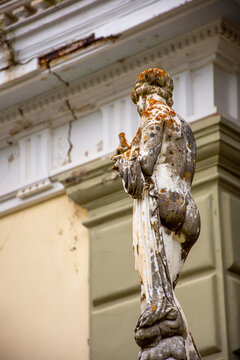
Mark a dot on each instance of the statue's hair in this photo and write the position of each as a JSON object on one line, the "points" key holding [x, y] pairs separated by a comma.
{"points": [[153, 81]]}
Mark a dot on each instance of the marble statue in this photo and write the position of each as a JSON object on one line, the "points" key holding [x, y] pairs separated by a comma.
{"points": [[157, 170]]}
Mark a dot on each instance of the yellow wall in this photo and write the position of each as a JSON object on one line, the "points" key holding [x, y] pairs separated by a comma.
{"points": [[44, 309]]}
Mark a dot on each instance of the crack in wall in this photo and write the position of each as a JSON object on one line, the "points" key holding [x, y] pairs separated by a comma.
{"points": [[20, 110], [11, 59], [57, 75], [74, 117]]}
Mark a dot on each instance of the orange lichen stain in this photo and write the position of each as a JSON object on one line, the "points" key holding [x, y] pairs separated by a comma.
{"points": [[154, 308], [124, 150], [157, 72], [137, 137], [194, 162], [123, 140], [126, 154], [172, 112], [152, 102], [154, 225], [166, 114], [160, 118], [163, 190], [187, 176]]}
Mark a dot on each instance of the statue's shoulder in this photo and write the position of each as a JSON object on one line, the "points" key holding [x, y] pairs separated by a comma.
{"points": [[158, 111], [158, 104]]}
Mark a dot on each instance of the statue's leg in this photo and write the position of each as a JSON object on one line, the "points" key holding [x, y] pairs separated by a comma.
{"points": [[161, 331]]}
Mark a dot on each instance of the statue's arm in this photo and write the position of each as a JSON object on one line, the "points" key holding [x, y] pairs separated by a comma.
{"points": [[140, 158], [150, 146], [128, 166]]}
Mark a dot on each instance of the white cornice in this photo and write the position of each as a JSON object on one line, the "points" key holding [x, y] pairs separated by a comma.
{"points": [[80, 19], [200, 44], [12, 11]]}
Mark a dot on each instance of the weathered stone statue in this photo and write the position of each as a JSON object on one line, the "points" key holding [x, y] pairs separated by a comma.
{"points": [[157, 170]]}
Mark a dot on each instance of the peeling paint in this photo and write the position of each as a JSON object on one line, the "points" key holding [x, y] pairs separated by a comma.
{"points": [[11, 158], [76, 177], [77, 45], [99, 146]]}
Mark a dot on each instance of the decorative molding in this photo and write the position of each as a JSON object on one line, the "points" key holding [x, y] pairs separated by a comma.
{"points": [[92, 184], [33, 189], [34, 156], [15, 203], [79, 18], [92, 83], [13, 13], [108, 216]]}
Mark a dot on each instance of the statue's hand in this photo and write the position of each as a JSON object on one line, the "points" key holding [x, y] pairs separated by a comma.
{"points": [[122, 147], [131, 174], [116, 158], [133, 179], [123, 144]]}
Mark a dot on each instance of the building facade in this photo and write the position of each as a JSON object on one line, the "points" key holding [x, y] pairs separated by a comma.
{"points": [[69, 288]]}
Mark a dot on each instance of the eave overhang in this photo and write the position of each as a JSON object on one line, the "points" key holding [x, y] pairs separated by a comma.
{"points": [[119, 30]]}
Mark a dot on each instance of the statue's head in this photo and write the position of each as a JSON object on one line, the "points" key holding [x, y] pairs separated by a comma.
{"points": [[153, 81]]}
